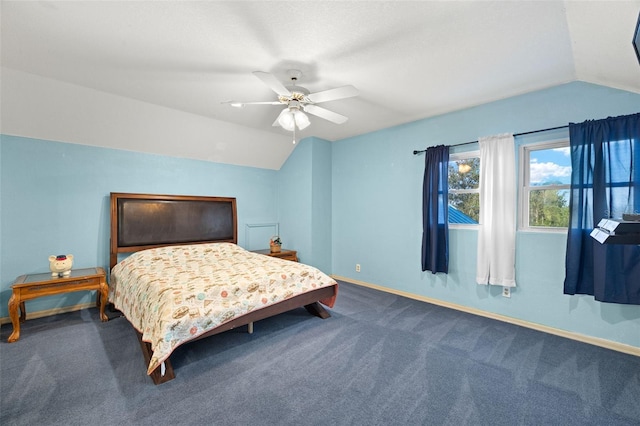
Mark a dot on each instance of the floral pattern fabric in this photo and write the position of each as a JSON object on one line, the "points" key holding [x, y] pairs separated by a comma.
{"points": [[174, 294]]}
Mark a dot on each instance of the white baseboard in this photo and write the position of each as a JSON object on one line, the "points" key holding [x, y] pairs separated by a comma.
{"points": [[48, 312], [616, 346]]}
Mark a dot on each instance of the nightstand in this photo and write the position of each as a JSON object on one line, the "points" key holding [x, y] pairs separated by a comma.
{"points": [[32, 286], [282, 254]]}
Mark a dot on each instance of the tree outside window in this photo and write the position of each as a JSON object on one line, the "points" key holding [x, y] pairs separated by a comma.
{"points": [[464, 188]]}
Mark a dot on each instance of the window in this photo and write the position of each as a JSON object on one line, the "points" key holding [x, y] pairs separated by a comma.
{"points": [[464, 190], [545, 177]]}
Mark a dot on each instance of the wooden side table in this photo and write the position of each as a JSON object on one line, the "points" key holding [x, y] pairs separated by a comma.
{"points": [[282, 254], [32, 286]]}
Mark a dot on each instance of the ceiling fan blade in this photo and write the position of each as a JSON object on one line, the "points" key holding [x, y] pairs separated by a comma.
{"points": [[240, 104], [334, 117], [272, 82], [333, 94]]}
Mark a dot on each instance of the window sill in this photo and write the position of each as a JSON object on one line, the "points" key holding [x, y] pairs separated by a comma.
{"points": [[542, 230]]}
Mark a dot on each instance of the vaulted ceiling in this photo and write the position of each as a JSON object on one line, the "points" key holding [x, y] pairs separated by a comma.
{"points": [[409, 59]]}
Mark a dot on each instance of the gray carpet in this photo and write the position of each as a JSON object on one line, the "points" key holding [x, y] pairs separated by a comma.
{"points": [[379, 360]]}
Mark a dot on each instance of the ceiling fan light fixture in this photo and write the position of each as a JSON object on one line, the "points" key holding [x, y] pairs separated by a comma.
{"points": [[301, 119], [286, 120], [289, 118]]}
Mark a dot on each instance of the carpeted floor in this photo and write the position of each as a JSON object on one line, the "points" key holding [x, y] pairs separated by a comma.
{"points": [[379, 360]]}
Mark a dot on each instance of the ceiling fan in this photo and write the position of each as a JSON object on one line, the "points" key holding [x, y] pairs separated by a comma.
{"points": [[298, 100]]}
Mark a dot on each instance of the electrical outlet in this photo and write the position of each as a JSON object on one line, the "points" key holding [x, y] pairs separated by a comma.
{"points": [[357, 267], [506, 291]]}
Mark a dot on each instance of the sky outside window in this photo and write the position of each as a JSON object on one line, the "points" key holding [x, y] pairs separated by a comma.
{"points": [[550, 166]]}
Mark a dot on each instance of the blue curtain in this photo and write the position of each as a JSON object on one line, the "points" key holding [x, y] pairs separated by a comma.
{"points": [[605, 183], [435, 212]]}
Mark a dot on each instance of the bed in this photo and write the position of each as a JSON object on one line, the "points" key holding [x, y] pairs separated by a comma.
{"points": [[185, 278]]}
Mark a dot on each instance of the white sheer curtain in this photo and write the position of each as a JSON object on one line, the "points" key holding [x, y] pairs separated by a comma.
{"points": [[497, 232]]}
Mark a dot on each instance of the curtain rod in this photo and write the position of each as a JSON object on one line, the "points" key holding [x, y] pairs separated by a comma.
{"points": [[515, 134]]}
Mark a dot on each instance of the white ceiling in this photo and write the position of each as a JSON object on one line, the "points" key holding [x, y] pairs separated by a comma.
{"points": [[409, 59]]}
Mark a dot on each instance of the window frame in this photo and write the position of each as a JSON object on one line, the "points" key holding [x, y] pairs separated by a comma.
{"points": [[525, 187], [463, 156]]}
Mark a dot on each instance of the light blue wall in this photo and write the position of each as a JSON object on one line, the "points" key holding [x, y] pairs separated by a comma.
{"points": [[305, 202], [295, 189], [377, 216], [321, 204], [55, 200]]}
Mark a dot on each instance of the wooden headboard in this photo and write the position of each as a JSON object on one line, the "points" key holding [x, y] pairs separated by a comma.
{"points": [[142, 221]]}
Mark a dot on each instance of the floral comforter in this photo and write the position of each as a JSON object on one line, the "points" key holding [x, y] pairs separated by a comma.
{"points": [[174, 294]]}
